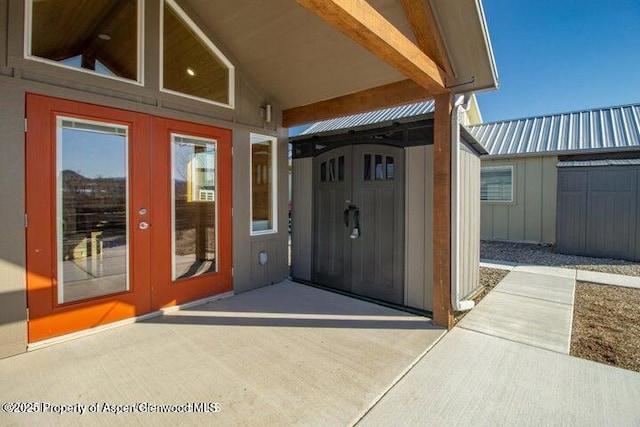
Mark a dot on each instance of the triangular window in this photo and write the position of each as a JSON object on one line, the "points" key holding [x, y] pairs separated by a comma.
{"points": [[98, 36], [191, 63]]}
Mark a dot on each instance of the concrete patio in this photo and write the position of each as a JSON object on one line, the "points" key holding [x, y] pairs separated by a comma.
{"points": [[287, 354], [290, 354]]}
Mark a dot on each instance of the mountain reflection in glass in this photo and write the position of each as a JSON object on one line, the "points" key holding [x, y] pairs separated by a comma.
{"points": [[91, 209], [194, 206]]}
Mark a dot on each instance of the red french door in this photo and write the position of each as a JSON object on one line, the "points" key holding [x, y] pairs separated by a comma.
{"points": [[127, 213]]}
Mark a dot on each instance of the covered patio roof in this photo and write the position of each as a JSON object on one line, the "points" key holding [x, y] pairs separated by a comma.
{"points": [[320, 59]]}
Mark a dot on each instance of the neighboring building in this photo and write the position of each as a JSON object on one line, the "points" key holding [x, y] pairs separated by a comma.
{"points": [[569, 179], [365, 181], [143, 158]]}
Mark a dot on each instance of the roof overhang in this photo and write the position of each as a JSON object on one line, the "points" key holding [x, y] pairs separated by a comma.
{"points": [[318, 59]]}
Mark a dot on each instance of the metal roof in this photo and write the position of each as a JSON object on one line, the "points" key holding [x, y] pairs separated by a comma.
{"points": [[599, 130], [373, 117], [605, 162]]}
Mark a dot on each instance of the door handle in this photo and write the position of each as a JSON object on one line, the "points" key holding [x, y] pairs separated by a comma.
{"points": [[345, 216], [143, 225], [355, 233]]}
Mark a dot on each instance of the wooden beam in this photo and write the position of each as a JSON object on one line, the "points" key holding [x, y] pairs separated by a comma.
{"points": [[442, 311], [425, 28], [362, 23], [402, 92]]}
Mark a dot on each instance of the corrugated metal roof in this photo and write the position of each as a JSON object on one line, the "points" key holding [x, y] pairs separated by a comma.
{"points": [[373, 117], [605, 129], [605, 162]]}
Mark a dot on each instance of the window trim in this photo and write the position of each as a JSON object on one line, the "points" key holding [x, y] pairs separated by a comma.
{"points": [[26, 51], [274, 184], [513, 182], [208, 43]]}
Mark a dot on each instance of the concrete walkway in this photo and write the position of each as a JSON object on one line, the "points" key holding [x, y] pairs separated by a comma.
{"points": [[506, 363], [581, 275]]}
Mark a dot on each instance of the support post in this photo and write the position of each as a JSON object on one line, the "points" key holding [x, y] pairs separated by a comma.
{"points": [[442, 311]]}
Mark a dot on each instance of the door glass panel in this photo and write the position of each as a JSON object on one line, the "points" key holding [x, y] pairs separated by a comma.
{"points": [[378, 168], [341, 168], [92, 211], [323, 172], [332, 170], [367, 167], [390, 168], [193, 206]]}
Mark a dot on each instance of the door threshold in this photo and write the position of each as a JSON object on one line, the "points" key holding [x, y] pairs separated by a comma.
{"points": [[87, 332], [399, 307]]}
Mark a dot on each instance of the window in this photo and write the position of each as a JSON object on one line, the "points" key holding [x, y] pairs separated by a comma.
{"points": [[263, 184], [194, 179], [100, 36], [191, 64], [496, 184]]}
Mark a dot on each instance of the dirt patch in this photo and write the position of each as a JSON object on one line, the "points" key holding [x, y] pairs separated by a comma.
{"points": [[489, 278], [606, 325]]}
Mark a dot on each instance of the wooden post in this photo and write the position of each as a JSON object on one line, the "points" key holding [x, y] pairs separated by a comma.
{"points": [[442, 311]]}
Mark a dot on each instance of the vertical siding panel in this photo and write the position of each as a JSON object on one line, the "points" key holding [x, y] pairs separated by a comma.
{"points": [[549, 198], [302, 218], [415, 231], [469, 237], [516, 219], [533, 199], [428, 230]]}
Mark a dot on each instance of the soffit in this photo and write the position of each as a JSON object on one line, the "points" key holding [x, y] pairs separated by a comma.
{"points": [[293, 55]]}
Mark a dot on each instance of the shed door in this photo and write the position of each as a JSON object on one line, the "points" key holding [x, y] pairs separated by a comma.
{"points": [[359, 221], [597, 211]]}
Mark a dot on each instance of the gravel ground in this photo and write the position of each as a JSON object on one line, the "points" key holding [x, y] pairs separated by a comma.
{"points": [[527, 253], [606, 325]]}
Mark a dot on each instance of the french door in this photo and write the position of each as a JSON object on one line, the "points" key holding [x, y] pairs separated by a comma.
{"points": [[126, 213]]}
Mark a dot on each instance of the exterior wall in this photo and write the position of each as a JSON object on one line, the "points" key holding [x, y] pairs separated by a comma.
{"points": [[531, 217], [419, 227], [469, 239], [302, 219], [19, 76]]}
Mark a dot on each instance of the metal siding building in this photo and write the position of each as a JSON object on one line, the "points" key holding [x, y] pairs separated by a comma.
{"points": [[572, 176]]}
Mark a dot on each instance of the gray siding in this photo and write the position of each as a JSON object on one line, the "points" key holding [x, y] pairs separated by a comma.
{"points": [[597, 211], [531, 217], [29, 76], [13, 309], [469, 239], [302, 218], [419, 227]]}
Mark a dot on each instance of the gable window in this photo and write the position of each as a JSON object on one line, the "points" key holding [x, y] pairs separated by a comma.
{"points": [[496, 183], [98, 36], [263, 184], [191, 64]]}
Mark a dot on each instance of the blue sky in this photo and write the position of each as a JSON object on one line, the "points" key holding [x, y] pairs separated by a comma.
{"points": [[562, 55], [556, 56]]}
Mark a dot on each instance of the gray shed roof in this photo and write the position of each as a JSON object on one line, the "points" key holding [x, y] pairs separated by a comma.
{"points": [[598, 130], [373, 117]]}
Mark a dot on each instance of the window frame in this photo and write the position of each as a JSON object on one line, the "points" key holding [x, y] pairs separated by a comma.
{"points": [[27, 55], [274, 184], [208, 43], [512, 192]]}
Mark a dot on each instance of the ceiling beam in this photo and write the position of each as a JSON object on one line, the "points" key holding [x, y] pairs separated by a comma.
{"points": [[390, 95], [362, 23], [425, 28]]}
